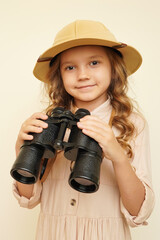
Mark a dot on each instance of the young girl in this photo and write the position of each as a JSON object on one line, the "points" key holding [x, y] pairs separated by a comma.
{"points": [[87, 68]]}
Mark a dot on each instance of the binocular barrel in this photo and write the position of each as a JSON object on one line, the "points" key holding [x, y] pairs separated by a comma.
{"points": [[83, 150]]}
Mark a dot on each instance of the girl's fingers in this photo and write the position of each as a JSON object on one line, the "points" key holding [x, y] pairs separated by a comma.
{"points": [[37, 123], [94, 124], [32, 129], [101, 132], [33, 125], [94, 135], [39, 115], [88, 117], [94, 121], [26, 136]]}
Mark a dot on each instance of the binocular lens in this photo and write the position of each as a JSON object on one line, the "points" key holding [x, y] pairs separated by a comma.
{"points": [[24, 173], [83, 185], [83, 181], [23, 176]]}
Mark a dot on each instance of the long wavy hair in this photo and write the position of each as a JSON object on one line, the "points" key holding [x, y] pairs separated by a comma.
{"points": [[117, 92]]}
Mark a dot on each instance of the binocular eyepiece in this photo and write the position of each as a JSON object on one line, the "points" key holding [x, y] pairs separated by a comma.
{"points": [[83, 150]]}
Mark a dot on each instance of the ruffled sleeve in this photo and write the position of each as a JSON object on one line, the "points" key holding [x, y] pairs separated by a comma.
{"points": [[33, 201], [141, 163]]}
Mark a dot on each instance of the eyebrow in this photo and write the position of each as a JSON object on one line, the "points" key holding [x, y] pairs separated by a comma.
{"points": [[66, 63], [96, 56]]}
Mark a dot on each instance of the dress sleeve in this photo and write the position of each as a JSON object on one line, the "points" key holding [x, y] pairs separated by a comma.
{"points": [[141, 164], [33, 201]]}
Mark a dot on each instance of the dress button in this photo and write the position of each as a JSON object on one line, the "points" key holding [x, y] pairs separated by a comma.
{"points": [[73, 202]]}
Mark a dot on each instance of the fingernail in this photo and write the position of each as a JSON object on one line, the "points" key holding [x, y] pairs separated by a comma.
{"points": [[45, 116], [80, 124], [82, 119]]}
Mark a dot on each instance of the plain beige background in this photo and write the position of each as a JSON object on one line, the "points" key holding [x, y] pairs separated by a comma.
{"points": [[27, 29]]}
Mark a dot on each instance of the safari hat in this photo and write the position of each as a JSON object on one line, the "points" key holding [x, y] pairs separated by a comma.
{"points": [[81, 33]]}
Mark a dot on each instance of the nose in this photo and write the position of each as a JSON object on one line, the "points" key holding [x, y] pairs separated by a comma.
{"points": [[83, 73]]}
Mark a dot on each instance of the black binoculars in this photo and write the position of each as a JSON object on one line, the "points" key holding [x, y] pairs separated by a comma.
{"points": [[83, 150]]}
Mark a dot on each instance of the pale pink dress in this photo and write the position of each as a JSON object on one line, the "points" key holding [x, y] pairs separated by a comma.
{"points": [[67, 214]]}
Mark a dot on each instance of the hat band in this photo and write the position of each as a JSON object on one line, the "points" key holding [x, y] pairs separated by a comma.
{"points": [[45, 59], [122, 45]]}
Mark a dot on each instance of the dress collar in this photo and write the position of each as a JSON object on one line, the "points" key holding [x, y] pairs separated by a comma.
{"points": [[104, 110]]}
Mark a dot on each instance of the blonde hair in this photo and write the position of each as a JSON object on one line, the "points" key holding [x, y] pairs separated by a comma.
{"points": [[117, 92], [120, 102]]}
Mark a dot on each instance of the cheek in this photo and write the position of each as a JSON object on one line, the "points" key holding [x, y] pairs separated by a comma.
{"points": [[68, 80], [67, 84], [104, 78], [64, 80]]}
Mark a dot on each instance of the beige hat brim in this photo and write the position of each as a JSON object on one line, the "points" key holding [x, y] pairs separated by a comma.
{"points": [[131, 56]]}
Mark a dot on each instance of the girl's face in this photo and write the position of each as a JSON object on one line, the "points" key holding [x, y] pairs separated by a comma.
{"points": [[86, 75]]}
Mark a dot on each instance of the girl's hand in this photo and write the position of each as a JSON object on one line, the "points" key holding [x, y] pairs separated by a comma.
{"points": [[101, 132], [33, 124]]}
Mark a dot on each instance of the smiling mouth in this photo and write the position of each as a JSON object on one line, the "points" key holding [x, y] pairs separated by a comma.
{"points": [[86, 86]]}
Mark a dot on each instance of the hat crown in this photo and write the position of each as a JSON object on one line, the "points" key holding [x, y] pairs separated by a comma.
{"points": [[82, 29]]}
